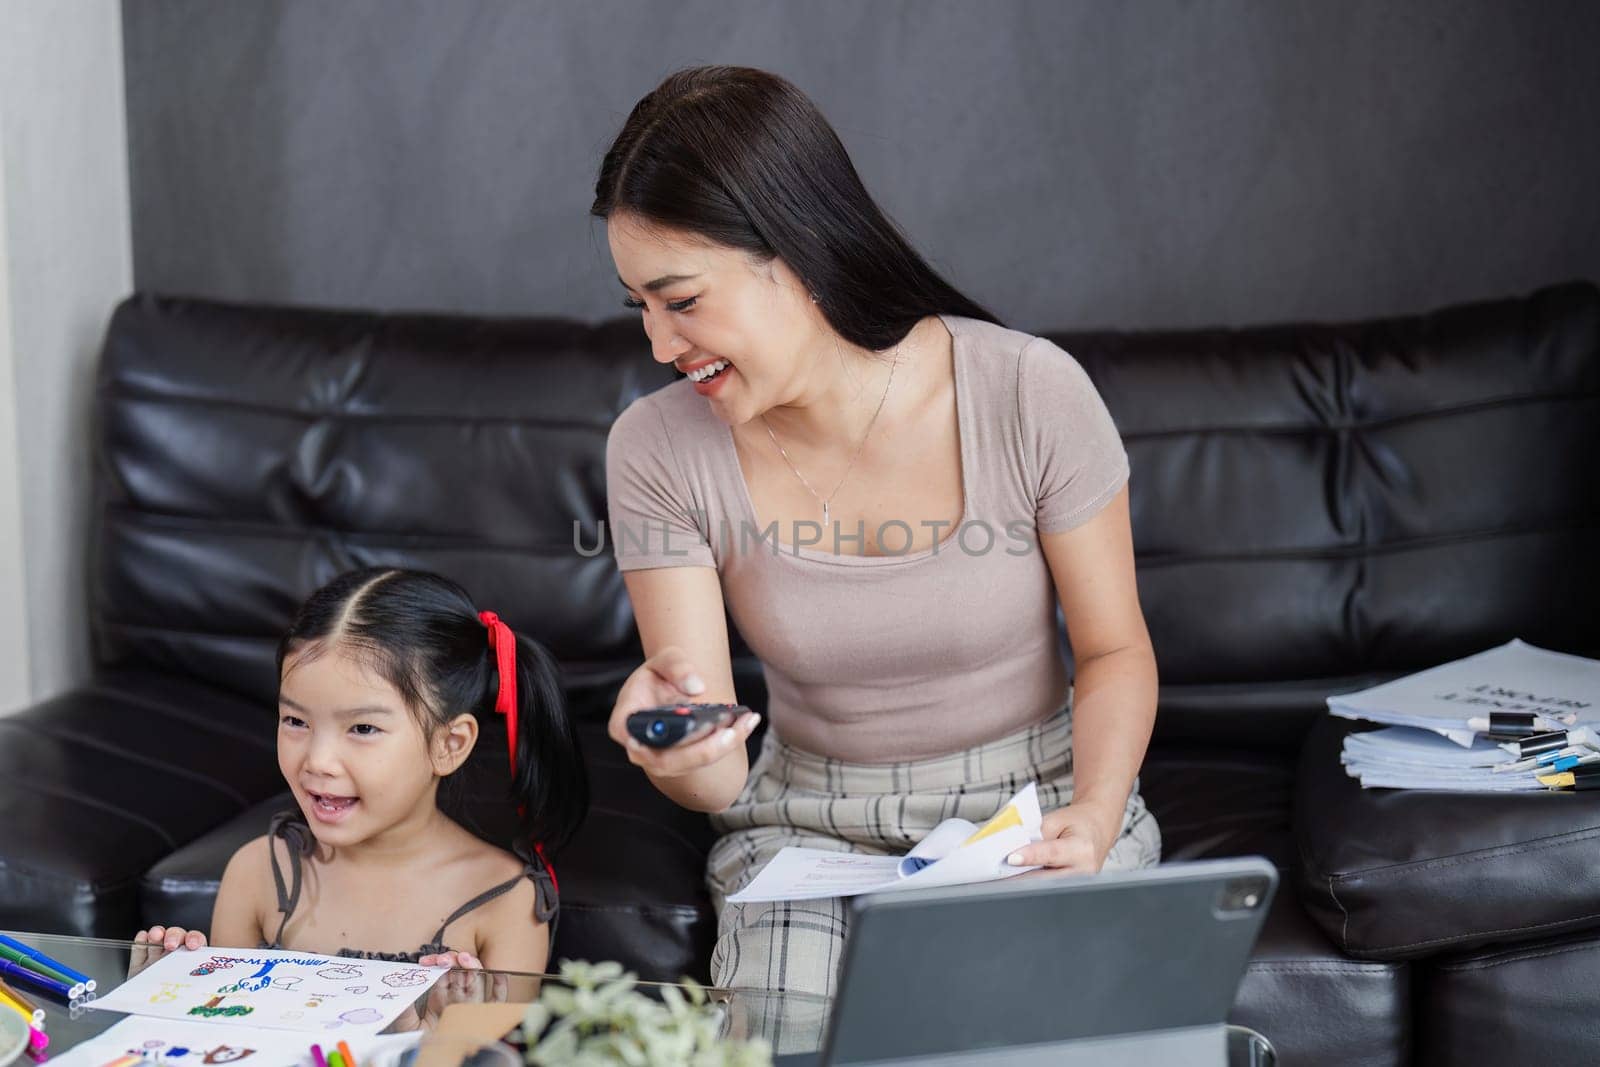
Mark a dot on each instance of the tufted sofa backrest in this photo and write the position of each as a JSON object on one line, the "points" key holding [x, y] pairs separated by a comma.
{"points": [[1312, 503]]}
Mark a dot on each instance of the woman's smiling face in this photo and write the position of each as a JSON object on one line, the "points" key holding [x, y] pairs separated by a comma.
{"points": [[705, 304]]}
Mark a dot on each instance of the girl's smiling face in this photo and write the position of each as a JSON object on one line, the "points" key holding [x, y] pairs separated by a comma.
{"points": [[703, 303], [356, 758]]}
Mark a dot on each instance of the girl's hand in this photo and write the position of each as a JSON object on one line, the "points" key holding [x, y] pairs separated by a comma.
{"points": [[669, 678], [170, 938], [452, 959], [1077, 839], [150, 945], [459, 986]]}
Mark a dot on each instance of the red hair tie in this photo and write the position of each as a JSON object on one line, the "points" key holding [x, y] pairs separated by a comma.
{"points": [[504, 643]]}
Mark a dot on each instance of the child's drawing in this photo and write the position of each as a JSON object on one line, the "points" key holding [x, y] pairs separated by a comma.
{"points": [[215, 1009], [182, 1043], [408, 978], [156, 1049], [269, 988], [256, 981]]}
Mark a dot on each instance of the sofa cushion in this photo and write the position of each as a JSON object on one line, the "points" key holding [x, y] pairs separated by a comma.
{"points": [[1314, 1004], [99, 783], [1507, 1006], [1397, 873], [632, 880]]}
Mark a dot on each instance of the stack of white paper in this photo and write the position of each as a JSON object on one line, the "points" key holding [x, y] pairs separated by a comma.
{"points": [[1405, 757], [1436, 720], [1457, 699]]}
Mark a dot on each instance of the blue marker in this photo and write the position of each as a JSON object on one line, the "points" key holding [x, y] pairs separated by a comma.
{"points": [[15, 972], [82, 979]]}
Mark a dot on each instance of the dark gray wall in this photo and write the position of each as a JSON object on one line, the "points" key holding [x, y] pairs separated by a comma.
{"points": [[1070, 164]]}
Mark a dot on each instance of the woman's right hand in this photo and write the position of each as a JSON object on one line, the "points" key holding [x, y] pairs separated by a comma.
{"points": [[669, 678], [150, 945]]}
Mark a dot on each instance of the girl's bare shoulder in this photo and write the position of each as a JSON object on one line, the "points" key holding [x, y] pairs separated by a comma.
{"points": [[482, 862], [252, 858]]}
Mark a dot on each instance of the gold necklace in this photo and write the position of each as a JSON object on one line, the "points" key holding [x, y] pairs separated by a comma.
{"points": [[862, 444]]}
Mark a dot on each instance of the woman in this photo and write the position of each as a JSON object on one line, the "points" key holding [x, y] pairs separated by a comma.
{"points": [[888, 492]]}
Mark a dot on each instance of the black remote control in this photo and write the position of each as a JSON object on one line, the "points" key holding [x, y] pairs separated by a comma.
{"points": [[669, 724]]}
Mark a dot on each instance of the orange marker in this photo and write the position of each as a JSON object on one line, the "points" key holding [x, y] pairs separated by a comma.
{"points": [[349, 1058], [16, 995], [30, 1015]]}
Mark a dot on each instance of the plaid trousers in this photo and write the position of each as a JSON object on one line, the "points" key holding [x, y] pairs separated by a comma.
{"points": [[797, 798]]}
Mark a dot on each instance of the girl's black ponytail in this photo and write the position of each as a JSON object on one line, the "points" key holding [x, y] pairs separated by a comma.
{"points": [[550, 785]]}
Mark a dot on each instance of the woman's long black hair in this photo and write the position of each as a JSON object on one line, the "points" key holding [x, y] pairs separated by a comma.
{"points": [[743, 158], [422, 634]]}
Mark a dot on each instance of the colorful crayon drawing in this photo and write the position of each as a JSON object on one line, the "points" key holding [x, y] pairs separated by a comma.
{"points": [[406, 979], [145, 1041], [211, 966], [214, 1008], [272, 989], [165, 1052], [159, 1050], [260, 980]]}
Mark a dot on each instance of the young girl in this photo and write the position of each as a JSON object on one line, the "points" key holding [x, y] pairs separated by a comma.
{"points": [[386, 679]]}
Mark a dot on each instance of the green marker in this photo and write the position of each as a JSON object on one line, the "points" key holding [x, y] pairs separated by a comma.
{"points": [[22, 960]]}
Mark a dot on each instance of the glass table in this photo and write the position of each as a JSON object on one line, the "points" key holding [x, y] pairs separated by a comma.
{"points": [[109, 962], [791, 1022]]}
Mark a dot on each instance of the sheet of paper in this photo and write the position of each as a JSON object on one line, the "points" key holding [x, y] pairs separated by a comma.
{"points": [[273, 989], [180, 1043], [814, 873], [1405, 744], [955, 852], [1516, 677], [981, 862]]}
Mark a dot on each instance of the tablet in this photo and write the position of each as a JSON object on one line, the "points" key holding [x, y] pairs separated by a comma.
{"points": [[1136, 967]]}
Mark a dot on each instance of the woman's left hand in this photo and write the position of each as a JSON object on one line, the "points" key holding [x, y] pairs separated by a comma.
{"points": [[1077, 839]]}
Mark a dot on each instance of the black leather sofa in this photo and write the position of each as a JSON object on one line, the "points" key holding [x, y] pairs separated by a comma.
{"points": [[1316, 508]]}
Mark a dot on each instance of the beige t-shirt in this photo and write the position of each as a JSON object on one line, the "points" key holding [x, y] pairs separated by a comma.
{"points": [[880, 659]]}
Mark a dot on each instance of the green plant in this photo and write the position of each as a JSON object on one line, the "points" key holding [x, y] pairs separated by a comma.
{"points": [[597, 1018]]}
